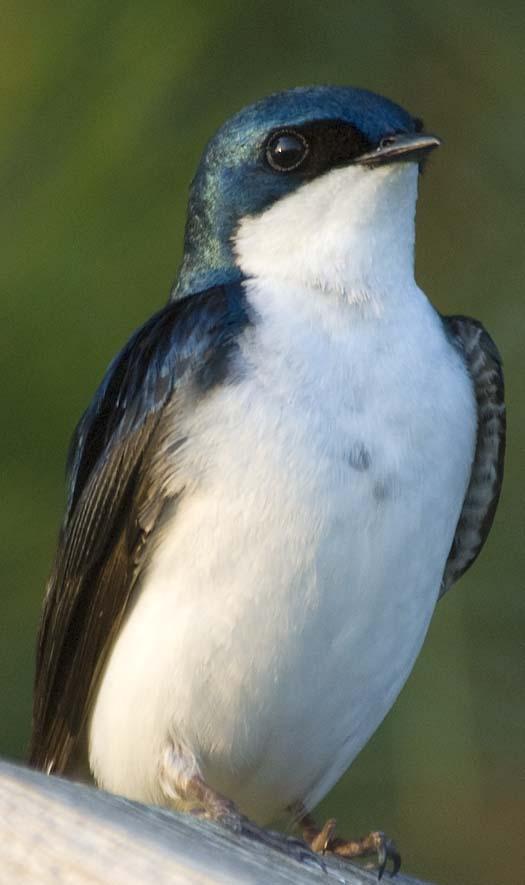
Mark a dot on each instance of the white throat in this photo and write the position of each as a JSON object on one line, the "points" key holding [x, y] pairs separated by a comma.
{"points": [[350, 231]]}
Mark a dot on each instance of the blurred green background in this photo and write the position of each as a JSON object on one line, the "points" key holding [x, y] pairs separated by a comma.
{"points": [[105, 110]]}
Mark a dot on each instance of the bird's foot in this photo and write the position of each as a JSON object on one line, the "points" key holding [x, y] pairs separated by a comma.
{"points": [[289, 845], [182, 783], [214, 806], [376, 843]]}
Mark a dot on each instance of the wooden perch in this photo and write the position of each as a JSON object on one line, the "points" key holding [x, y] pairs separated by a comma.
{"points": [[55, 831]]}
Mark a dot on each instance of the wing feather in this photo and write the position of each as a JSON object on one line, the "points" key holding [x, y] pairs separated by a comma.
{"points": [[484, 364], [119, 490]]}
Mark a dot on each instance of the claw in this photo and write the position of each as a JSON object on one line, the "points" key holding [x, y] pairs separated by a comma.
{"points": [[386, 851], [381, 859], [394, 856], [325, 841]]}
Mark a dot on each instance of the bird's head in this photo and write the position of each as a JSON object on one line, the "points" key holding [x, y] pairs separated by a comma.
{"points": [[313, 184]]}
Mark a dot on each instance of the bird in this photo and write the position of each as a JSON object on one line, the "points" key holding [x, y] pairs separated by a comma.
{"points": [[280, 474]]}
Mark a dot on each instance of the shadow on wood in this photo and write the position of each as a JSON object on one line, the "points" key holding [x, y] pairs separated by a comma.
{"points": [[54, 831]]}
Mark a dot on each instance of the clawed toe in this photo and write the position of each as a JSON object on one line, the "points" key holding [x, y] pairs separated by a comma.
{"points": [[322, 840], [325, 841], [375, 843], [387, 851]]}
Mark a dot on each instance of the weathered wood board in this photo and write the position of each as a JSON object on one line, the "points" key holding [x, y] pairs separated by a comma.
{"points": [[55, 831]]}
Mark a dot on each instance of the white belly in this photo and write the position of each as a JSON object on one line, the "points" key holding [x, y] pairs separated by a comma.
{"points": [[291, 592]]}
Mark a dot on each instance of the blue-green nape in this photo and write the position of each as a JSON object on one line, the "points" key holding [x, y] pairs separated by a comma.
{"points": [[234, 180]]}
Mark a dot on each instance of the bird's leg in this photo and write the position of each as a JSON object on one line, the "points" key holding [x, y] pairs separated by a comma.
{"points": [[183, 786], [325, 841]]}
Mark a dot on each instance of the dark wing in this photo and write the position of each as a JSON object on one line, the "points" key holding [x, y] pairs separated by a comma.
{"points": [[117, 495], [485, 368]]}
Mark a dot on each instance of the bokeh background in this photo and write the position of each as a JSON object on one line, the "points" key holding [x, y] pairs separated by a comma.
{"points": [[105, 109]]}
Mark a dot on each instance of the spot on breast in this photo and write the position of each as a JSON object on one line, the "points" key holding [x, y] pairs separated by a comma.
{"points": [[384, 489], [358, 457]]}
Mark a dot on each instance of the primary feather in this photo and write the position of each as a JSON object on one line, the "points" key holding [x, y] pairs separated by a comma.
{"points": [[117, 493]]}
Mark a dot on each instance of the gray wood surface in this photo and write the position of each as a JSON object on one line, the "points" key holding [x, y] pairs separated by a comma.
{"points": [[54, 831]]}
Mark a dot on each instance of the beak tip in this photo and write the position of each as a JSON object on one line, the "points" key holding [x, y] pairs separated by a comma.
{"points": [[402, 148]]}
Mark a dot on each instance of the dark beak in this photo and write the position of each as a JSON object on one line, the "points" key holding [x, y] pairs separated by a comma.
{"points": [[399, 149]]}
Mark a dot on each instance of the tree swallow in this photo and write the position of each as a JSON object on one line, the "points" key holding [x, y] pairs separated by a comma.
{"points": [[280, 474]]}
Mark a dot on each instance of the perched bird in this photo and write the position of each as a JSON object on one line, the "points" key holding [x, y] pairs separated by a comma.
{"points": [[280, 474]]}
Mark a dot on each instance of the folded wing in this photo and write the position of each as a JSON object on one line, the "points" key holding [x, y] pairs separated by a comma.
{"points": [[481, 500], [118, 491]]}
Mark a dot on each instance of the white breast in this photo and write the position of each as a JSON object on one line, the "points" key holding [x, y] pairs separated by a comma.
{"points": [[289, 597]]}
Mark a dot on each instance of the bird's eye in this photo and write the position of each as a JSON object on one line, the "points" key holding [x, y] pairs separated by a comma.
{"points": [[286, 151]]}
